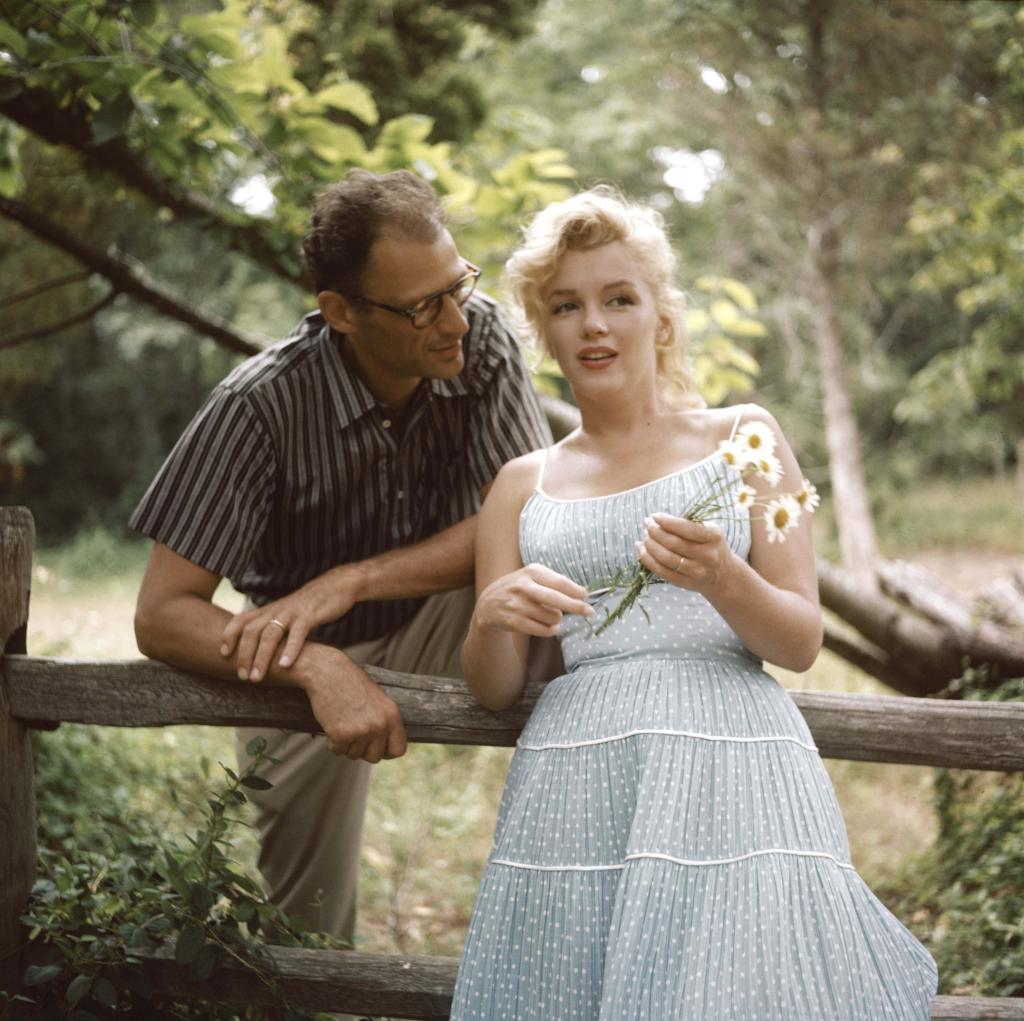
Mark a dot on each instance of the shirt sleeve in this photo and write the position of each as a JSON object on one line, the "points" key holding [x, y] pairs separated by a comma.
{"points": [[506, 420], [211, 498]]}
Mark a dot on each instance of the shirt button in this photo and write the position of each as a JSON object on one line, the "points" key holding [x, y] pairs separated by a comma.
{"points": [[401, 494], [386, 423]]}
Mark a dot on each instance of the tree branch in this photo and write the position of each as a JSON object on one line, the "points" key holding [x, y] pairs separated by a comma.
{"points": [[49, 285], [924, 653], [37, 111], [128, 280], [868, 658], [44, 331]]}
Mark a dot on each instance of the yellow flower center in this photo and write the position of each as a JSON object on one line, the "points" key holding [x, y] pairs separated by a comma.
{"points": [[781, 517]]}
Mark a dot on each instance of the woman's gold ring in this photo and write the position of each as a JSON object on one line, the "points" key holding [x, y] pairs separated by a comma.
{"points": [[283, 627], [679, 566]]}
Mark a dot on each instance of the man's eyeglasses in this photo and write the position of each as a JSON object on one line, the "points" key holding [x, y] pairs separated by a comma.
{"points": [[425, 312]]}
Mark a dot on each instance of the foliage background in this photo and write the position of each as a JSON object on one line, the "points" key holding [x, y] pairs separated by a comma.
{"points": [[184, 140]]}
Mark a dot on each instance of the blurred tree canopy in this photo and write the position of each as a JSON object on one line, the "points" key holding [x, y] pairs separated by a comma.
{"points": [[801, 147], [172, 151], [723, 116]]}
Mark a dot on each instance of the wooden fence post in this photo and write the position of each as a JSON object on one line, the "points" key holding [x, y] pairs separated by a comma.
{"points": [[17, 784]]}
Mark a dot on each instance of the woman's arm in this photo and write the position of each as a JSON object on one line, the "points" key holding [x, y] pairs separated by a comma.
{"points": [[513, 601], [772, 601]]}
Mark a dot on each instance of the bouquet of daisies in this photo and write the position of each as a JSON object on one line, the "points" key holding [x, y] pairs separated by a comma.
{"points": [[751, 453]]}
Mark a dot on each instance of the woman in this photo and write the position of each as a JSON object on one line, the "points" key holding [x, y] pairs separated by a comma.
{"points": [[668, 843]]}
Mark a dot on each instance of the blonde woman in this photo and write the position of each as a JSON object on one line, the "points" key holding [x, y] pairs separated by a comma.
{"points": [[668, 843]]}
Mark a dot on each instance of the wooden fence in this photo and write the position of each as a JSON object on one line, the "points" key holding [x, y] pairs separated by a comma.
{"points": [[37, 692]]}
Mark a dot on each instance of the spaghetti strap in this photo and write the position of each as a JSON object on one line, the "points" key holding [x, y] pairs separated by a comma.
{"points": [[737, 422], [543, 465]]}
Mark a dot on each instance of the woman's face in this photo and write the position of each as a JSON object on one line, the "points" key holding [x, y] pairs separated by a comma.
{"points": [[600, 321]]}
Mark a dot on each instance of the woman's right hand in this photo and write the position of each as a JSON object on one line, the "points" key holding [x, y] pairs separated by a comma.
{"points": [[530, 601]]}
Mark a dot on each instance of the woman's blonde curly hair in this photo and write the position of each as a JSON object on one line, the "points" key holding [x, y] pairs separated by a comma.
{"points": [[589, 220]]}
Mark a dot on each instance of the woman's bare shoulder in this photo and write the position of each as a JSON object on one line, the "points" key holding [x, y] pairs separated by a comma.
{"points": [[739, 415], [517, 478]]}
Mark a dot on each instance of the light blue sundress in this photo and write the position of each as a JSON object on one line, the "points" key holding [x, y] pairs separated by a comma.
{"points": [[669, 845]]}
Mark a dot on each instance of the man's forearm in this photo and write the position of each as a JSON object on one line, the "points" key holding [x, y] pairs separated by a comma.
{"points": [[187, 631], [438, 564]]}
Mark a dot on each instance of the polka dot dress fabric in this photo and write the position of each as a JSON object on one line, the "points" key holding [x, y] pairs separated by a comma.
{"points": [[669, 845]]}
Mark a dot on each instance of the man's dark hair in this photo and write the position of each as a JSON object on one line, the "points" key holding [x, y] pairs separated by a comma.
{"points": [[350, 215]]}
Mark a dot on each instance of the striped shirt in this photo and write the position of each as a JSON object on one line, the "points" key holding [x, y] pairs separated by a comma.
{"points": [[292, 466]]}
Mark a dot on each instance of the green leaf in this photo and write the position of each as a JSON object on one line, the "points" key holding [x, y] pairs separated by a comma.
{"points": [[352, 97], [747, 328], [334, 143], [244, 911], [12, 39], [724, 312], [105, 992], [77, 988], [202, 897], [206, 963], [112, 119], [145, 12], [403, 131], [257, 746], [256, 783], [740, 293], [190, 942], [40, 974]]}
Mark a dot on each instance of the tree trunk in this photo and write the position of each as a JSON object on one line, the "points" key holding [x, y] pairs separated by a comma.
{"points": [[1020, 472], [854, 522]]}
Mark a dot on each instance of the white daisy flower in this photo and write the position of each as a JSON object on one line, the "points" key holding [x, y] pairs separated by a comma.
{"points": [[734, 455], [807, 497], [757, 437], [744, 498], [780, 516], [768, 466]]}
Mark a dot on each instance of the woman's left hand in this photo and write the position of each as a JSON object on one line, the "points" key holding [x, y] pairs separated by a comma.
{"points": [[685, 553]]}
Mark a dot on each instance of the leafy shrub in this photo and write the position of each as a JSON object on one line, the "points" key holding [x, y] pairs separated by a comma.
{"points": [[970, 882], [102, 904]]}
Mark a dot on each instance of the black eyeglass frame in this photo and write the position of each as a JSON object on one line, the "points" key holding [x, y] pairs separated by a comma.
{"points": [[413, 311]]}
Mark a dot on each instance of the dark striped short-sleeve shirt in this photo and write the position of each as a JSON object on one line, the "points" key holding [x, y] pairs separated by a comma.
{"points": [[292, 467]]}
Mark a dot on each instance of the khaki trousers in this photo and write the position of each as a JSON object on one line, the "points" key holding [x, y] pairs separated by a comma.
{"points": [[311, 821]]}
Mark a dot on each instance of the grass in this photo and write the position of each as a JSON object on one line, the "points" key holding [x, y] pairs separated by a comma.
{"points": [[984, 515], [431, 814]]}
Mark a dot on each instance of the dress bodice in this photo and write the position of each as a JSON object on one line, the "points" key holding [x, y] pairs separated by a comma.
{"points": [[591, 538]]}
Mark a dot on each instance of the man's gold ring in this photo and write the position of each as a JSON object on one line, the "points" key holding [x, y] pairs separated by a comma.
{"points": [[283, 627], [679, 566]]}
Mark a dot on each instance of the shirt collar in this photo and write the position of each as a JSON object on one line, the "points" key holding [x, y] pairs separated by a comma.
{"points": [[351, 396]]}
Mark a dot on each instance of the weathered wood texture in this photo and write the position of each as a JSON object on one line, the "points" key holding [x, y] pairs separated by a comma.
{"points": [[969, 735], [17, 785], [338, 980], [415, 988]]}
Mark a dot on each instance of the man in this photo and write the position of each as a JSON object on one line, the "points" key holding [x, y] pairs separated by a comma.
{"points": [[334, 479]]}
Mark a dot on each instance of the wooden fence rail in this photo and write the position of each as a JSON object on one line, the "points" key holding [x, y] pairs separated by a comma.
{"points": [[39, 692], [439, 710]]}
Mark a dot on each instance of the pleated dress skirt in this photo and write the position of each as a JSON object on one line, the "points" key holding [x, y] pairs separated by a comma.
{"points": [[669, 845]]}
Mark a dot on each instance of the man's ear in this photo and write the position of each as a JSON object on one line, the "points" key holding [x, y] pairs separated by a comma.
{"points": [[337, 310]]}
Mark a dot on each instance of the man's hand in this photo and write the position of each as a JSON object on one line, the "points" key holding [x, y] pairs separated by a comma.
{"points": [[357, 718], [259, 633]]}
